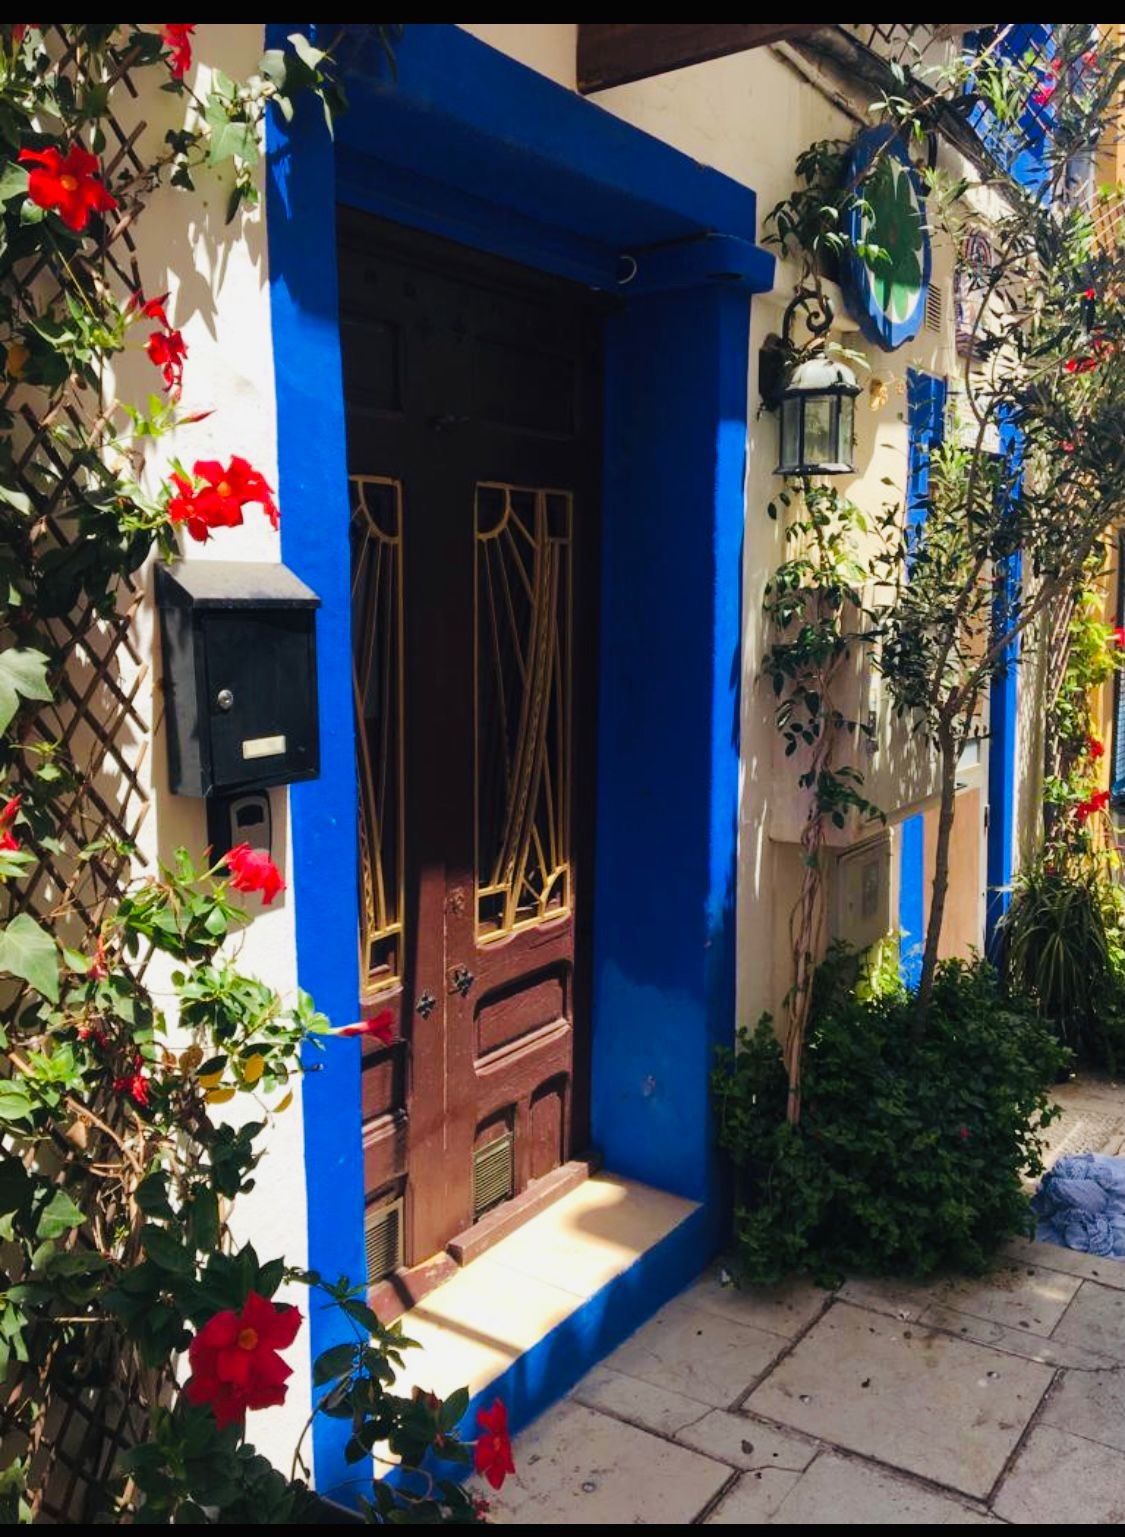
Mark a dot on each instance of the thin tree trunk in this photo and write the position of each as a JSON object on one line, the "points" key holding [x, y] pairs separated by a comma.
{"points": [[947, 746]]}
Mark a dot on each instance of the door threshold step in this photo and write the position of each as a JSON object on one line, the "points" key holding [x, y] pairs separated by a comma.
{"points": [[509, 1215]]}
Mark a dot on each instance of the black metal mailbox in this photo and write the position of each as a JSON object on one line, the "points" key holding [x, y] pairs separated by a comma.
{"points": [[239, 642]]}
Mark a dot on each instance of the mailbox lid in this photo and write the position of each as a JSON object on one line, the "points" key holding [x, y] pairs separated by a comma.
{"points": [[260, 667], [229, 584]]}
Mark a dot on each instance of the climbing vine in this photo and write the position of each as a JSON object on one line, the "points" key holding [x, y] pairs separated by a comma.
{"points": [[117, 1169]]}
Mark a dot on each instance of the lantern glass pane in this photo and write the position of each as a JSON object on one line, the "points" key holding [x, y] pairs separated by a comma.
{"points": [[819, 446], [790, 435], [846, 451]]}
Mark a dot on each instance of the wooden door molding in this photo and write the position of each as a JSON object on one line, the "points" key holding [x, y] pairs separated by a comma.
{"points": [[615, 53]]}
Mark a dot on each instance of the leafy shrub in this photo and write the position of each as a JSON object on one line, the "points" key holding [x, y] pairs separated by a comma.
{"points": [[1064, 949], [912, 1140]]}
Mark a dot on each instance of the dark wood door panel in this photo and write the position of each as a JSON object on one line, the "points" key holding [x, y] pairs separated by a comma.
{"points": [[473, 406]]}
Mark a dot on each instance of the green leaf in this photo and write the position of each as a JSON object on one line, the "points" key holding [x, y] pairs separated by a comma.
{"points": [[13, 181], [164, 1250], [29, 952], [23, 674], [334, 1363], [15, 1102], [58, 1217], [305, 51], [453, 1409]]}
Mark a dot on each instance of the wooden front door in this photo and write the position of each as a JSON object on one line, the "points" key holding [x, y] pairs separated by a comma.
{"points": [[471, 389]]}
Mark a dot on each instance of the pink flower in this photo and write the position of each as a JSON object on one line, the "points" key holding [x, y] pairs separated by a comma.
{"points": [[254, 870], [381, 1026]]}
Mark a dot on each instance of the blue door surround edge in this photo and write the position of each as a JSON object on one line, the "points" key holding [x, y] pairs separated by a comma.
{"points": [[461, 130]]}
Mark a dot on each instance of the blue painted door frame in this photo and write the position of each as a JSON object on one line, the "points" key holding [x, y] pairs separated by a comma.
{"points": [[466, 143]]}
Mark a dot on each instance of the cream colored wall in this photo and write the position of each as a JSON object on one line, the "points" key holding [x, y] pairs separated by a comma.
{"points": [[548, 47], [217, 276]]}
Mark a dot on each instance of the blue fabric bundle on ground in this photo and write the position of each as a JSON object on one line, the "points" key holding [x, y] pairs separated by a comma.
{"points": [[1080, 1204]]}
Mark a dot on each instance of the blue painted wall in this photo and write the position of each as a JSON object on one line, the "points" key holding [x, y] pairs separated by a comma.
{"points": [[925, 403], [675, 439], [470, 145], [300, 192], [1003, 718]]}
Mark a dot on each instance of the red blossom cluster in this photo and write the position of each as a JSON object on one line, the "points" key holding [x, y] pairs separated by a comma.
{"points": [[381, 1026], [166, 348], [1094, 748], [134, 1084], [1086, 809], [177, 39], [1117, 636], [234, 1361], [8, 812], [493, 1454], [253, 870], [69, 184], [215, 496]]}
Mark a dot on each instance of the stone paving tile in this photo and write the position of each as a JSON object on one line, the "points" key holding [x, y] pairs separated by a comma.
{"points": [[641, 1403], [1019, 1342], [840, 1491], [1061, 1480], [941, 1407], [577, 1468], [754, 1499], [704, 1355], [746, 1443], [1052, 1256], [898, 1299], [1090, 1404], [1095, 1319], [1018, 1296], [785, 1309]]}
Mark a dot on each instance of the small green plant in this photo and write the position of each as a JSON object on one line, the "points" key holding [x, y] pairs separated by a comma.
{"points": [[909, 1155]]}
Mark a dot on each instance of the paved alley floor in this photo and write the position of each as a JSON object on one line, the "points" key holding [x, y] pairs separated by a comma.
{"points": [[962, 1402]]}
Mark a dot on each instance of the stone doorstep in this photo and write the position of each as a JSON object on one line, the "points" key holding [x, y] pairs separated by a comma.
{"points": [[475, 1325]]}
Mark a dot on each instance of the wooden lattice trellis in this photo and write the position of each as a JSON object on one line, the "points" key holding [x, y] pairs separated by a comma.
{"points": [[98, 1396]]}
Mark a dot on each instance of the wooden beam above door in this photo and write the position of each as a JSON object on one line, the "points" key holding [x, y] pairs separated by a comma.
{"points": [[613, 53]]}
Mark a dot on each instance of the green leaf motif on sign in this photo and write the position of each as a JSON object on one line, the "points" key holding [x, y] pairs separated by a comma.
{"points": [[23, 674], [29, 952], [895, 225]]}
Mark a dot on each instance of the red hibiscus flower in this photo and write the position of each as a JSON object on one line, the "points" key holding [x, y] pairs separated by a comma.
{"points": [[1118, 636], [1095, 748], [182, 508], [234, 1361], [177, 39], [254, 870], [167, 350], [382, 1026], [229, 490], [133, 1084], [67, 183], [493, 1454]]}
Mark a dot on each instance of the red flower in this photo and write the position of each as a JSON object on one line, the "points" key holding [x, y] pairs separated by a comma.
{"points": [[493, 1455], [1086, 809], [382, 1026], [10, 809], [1118, 636], [177, 39], [8, 844], [1089, 293], [234, 1361], [182, 508], [229, 490], [168, 350], [1069, 445], [97, 970], [1080, 365], [135, 1085], [94, 1033], [67, 183], [1095, 748], [1042, 94], [254, 870]]}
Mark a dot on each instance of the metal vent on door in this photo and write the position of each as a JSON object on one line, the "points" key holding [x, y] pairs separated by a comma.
{"points": [[935, 307], [493, 1174], [384, 1240]]}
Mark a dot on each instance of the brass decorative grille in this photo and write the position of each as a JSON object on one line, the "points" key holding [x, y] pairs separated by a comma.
{"points": [[523, 705], [377, 655]]}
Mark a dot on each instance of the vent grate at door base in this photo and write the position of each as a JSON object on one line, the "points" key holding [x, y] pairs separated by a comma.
{"points": [[384, 1240], [935, 308], [493, 1174]]}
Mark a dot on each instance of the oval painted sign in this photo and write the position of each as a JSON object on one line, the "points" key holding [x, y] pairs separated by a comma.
{"points": [[887, 297]]}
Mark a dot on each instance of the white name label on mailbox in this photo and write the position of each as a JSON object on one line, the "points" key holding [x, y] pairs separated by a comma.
{"points": [[263, 747]]}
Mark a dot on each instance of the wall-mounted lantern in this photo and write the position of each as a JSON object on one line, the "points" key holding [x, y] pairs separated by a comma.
{"points": [[815, 398]]}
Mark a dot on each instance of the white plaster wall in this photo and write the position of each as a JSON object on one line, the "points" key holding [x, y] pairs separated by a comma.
{"points": [[217, 279]]}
